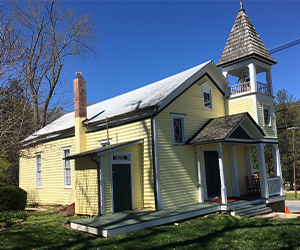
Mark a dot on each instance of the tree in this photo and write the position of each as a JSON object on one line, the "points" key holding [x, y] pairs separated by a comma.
{"points": [[287, 116], [51, 36], [15, 125]]}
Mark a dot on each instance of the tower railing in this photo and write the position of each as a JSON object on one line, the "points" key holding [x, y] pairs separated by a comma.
{"points": [[245, 87]]}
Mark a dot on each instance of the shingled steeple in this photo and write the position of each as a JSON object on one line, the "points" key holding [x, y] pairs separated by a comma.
{"points": [[244, 42]]}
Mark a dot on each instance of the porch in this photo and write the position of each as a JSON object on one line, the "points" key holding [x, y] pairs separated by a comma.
{"points": [[132, 220]]}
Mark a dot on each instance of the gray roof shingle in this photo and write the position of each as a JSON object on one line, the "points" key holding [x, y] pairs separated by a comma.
{"points": [[244, 41], [218, 129]]}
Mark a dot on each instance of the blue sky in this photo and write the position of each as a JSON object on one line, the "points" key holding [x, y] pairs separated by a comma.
{"points": [[144, 41]]}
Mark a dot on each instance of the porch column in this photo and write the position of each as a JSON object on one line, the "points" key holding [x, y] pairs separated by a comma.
{"points": [[277, 166], [101, 185], [234, 172], [200, 187], [252, 74], [222, 173], [249, 163], [262, 171]]}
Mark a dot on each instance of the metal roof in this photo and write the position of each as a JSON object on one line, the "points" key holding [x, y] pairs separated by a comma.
{"points": [[147, 96], [244, 41]]}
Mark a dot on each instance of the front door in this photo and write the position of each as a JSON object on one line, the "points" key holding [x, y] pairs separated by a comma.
{"points": [[121, 187], [212, 172]]}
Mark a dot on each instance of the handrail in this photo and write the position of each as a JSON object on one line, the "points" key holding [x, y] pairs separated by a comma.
{"points": [[274, 186]]}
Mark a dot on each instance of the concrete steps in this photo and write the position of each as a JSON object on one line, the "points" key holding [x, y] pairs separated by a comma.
{"points": [[251, 210]]}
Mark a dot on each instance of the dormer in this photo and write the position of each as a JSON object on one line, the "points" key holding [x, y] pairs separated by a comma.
{"points": [[245, 57]]}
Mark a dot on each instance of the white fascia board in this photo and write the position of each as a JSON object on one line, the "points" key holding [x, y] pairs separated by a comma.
{"points": [[210, 69], [119, 148]]}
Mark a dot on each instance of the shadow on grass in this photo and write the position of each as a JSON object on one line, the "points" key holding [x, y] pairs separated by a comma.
{"points": [[214, 232]]}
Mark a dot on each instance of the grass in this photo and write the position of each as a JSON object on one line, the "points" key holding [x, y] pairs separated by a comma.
{"points": [[45, 230], [291, 195]]}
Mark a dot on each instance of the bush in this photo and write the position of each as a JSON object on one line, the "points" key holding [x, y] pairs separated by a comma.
{"points": [[12, 198]]}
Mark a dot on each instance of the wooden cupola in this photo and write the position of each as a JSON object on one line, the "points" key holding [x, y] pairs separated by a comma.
{"points": [[245, 56]]}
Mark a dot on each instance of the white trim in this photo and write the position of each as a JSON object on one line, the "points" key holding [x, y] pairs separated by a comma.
{"points": [[101, 185], [262, 171], [255, 106], [63, 168], [275, 199], [200, 187], [266, 107], [222, 173], [207, 88], [156, 163], [264, 96], [116, 162], [109, 151], [178, 116], [41, 174]]}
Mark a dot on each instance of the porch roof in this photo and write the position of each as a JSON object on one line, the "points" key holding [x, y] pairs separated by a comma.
{"points": [[105, 150], [233, 128]]}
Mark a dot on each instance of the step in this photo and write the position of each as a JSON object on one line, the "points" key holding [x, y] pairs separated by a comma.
{"points": [[256, 212], [244, 209]]}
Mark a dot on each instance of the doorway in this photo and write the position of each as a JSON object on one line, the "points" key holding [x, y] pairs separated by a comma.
{"points": [[212, 173]]}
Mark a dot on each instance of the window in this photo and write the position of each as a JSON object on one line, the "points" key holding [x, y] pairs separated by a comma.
{"points": [[178, 122], [207, 96], [67, 170], [38, 169], [267, 116]]}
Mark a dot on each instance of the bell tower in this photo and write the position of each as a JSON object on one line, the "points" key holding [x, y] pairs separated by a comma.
{"points": [[245, 59]]}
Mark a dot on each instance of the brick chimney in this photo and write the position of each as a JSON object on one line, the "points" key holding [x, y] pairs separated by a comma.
{"points": [[80, 112]]}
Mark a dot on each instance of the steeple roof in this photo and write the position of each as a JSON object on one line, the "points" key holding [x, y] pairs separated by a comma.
{"points": [[244, 42]]}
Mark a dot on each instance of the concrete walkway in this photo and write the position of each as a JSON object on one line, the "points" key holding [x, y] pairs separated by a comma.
{"points": [[279, 216]]}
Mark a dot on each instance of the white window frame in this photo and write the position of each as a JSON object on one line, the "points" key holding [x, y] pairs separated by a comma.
{"points": [[103, 143], [265, 107], [178, 116], [207, 88], [64, 161], [38, 172]]}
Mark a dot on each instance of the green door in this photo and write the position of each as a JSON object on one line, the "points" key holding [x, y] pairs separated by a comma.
{"points": [[212, 172], [121, 187]]}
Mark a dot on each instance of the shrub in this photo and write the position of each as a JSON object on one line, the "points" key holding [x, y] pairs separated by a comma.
{"points": [[12, 198]]}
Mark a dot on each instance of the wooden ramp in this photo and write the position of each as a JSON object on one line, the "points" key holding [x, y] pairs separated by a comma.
{"points": [[131, 220]]}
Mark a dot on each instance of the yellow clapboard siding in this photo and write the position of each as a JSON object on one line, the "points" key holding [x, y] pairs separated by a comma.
{"points": [[236, 106], [52, 191], [242, 168], [177, 164], [129, 132], [270, 131]]}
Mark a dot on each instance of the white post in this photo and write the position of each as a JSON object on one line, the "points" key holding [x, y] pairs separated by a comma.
{"points": [[269, 81], [234, 172], [102, 185], [200, 187], [277, 166], [249, 162], [222, 173], [156, 162], [262, 171], [252, 73]]}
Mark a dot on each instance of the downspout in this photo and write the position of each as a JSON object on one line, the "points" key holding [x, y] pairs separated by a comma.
{"points": [[99, 186]]}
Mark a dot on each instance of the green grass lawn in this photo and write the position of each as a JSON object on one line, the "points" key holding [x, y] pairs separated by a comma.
{"points": [[291, 196], [45, 230]]}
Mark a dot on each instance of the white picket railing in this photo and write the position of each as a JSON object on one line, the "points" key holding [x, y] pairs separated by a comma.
{"points": [[239, 88], [246, 87], [274, 186]]}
